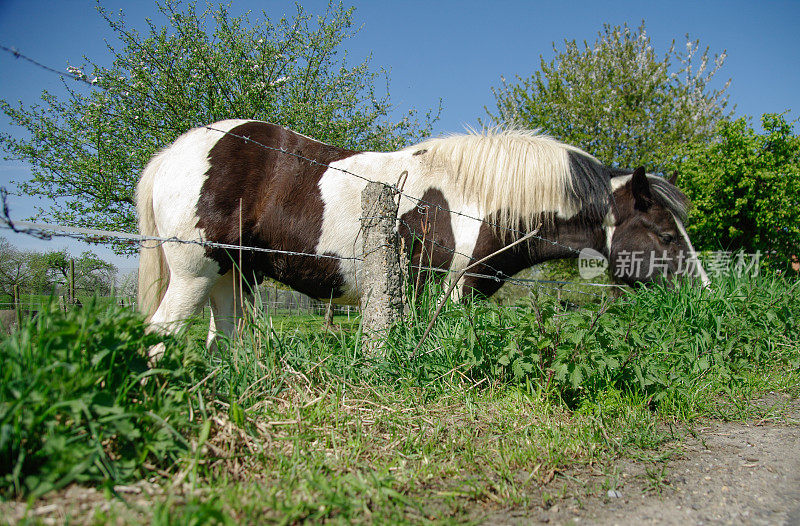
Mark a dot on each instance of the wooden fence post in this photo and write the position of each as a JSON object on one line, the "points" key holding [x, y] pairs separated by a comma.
{"points": [[380, 279]]}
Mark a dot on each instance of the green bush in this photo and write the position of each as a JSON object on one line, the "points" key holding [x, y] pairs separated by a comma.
{"points": [[73, 404], [744, 187]]}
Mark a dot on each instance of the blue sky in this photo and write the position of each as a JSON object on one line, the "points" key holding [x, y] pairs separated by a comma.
{"points": [[455, 51]]}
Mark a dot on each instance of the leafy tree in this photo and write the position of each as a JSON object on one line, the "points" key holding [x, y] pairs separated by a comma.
{"points": [[92, 274], [745, 188], [618, 100], [87, 149], [47, 272], [128, 284], [14, 271]]}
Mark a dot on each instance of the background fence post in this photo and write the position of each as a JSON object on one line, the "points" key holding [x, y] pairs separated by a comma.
{"points": [[71, 281], [328, 323], [380, 279], [17, 300]]}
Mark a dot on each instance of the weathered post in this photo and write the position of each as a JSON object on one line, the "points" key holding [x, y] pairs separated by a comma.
{"points": [[380, 280]]}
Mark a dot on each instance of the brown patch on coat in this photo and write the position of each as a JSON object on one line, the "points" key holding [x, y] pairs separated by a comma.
{"points": [[281, 206], [429, 222]]}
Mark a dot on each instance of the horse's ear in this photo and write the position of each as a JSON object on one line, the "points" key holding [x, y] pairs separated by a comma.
{"points": [[640, 186], [673, 180]]}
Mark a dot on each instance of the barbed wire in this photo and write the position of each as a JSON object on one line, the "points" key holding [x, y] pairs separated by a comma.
{"points": [[78, 78], [48, 231], [19, 55]]}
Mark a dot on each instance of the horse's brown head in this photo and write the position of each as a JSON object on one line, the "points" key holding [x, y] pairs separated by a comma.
{"points": [[649, 242]]}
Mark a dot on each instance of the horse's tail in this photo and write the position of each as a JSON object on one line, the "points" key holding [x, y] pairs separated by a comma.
{"points": [[153, 269]]}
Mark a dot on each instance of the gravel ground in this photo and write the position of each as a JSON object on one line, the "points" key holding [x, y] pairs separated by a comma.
{"points": [[727, 473]]}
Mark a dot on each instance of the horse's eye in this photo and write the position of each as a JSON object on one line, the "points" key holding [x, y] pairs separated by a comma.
{"points": [[666, 238]]}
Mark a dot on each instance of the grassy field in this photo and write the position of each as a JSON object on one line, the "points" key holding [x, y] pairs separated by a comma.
{"points": [[292, 422]]}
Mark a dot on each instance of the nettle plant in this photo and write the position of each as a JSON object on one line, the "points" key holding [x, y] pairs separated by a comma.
{"points": [[658, 342], [661, 344]]}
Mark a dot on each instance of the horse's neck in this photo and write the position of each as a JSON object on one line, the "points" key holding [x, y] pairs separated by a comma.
{"points": [[567, 237], [564, 238]]}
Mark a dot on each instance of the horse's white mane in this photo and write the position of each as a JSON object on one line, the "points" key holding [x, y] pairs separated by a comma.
{"points": [[521, 174]]}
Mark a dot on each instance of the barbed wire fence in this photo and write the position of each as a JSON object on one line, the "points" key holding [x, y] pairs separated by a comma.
{"points": [[286, 301]]}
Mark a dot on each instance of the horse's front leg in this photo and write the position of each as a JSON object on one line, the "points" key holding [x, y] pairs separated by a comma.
{"points": [[182, 301], [227, 308]]}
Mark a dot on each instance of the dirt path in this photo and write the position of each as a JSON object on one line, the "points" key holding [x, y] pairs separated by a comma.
{"points": [[729, 473]]}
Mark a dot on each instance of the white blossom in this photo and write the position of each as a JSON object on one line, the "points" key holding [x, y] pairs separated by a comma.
{"points": [[279, 81]]}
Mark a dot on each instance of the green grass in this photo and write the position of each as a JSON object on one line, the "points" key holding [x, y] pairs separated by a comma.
{"points": [[291, 422], [74, 406]]}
